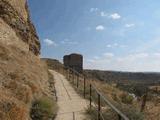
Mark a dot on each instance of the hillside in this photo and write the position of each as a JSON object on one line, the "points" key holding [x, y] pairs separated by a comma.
{"points": [[139, 77], [137, 83], [23, 77], [53, 63]]}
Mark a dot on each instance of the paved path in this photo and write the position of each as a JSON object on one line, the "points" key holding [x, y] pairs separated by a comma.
{"points": [[71, 105]]}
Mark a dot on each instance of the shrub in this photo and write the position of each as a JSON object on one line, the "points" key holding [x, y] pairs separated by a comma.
{"points": [[125, 98], [130, 111], [43, 109], [91, 113], [109, 114], [114, 97]]}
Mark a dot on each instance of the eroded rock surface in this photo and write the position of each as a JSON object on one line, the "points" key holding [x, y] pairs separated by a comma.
{"points": [[23, 77], [15, 14]]}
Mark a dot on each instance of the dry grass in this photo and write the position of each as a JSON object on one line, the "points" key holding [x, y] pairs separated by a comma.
{"points": [[23, 77], [11, 108], [17, 113]]}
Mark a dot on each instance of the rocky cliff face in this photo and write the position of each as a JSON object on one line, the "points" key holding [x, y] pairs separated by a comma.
{"points": [[23, 77], [15, 14]]}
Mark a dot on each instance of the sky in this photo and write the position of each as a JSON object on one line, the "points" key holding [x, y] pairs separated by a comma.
{"points": [[119, 35]]}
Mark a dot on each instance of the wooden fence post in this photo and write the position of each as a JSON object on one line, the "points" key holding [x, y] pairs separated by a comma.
{"points": [[77, 80], [99, 107], [119, 117], [73, 75], [144, 100], [90, 96], [69, 75], [84, 87]]}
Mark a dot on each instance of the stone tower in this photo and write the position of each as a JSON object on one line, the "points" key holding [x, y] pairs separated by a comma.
{"points": [[74, 61]]}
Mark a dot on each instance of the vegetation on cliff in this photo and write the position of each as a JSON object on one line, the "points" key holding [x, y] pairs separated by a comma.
{"points": [[24, 77]]}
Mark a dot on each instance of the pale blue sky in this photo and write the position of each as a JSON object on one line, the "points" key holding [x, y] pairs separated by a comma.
{"points": [[111, 34]]}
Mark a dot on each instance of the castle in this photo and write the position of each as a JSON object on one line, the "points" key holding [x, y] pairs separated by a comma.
{"points": [[74, 61]]}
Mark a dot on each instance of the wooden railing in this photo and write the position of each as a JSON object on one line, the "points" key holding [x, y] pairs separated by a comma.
{"points": [[96, 100]]}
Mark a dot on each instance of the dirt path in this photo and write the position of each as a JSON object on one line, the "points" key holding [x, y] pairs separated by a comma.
{"points": [[71, 105]]}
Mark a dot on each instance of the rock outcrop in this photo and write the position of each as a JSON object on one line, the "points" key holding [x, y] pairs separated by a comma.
{"points": [[15, 14], [23, 77]]}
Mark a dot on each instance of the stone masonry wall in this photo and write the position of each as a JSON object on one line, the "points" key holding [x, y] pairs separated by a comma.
{"points": [[74, 61]]}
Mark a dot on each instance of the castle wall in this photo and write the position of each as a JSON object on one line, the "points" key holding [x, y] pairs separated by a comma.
{"points": [[74, 61]]}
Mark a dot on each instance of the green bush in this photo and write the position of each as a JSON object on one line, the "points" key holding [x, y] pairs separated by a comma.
{"points": [[43, 109], [125, 98]]}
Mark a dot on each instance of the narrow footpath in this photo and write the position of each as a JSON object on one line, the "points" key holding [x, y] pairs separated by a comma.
{"points": [[71, 105]]}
